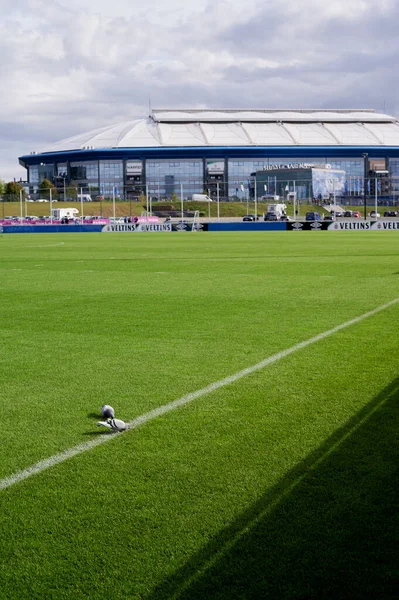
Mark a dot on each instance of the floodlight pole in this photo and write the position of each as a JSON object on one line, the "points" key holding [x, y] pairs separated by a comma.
{"points": [[335, 204], [217, 191], [20, 202], [51, 206], [256, 200], [181, 200], [81, 203], [365, 155]]}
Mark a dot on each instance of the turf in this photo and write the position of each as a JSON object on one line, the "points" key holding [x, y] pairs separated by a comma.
{"points": [[279, 485]]}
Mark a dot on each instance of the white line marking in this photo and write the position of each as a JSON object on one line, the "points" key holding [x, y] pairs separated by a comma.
{"points": [[46, 245], [162, 410]]}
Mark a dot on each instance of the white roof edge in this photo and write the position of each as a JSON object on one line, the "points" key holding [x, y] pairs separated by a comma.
{"points": [[270, 115], [264, 110], [274, 130]]}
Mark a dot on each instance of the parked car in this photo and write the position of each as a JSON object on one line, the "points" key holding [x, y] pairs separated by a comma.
{"points": [[250, 218], [269, 216], [337, 214], [374, 215], [356, 214], [42, 200], [391, 213], [313, 216], [348, 213], [328, 217]]}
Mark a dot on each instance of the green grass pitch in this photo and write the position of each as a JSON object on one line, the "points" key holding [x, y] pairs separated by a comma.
{"points": [[279, 485]]}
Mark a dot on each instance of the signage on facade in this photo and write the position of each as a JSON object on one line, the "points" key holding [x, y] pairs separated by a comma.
{"points": [[215, 167], [289, 166], [134, 167]]}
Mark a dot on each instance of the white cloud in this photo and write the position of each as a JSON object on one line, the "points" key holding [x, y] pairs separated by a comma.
{"points": [[73, 65]]}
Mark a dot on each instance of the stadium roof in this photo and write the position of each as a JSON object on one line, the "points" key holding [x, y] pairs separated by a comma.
{"points": [[237, 127]]}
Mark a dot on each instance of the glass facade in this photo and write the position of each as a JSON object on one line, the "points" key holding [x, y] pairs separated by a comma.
{"points": [[111, 178], [84, 175], [165, 177], [231, 177], [215, 178], [394, 171], [46, 171], [239, 175], [62, 170], [34, 175]]}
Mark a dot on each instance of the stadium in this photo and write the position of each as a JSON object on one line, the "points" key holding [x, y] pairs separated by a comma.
{"points": [[251, 379], [188, 151]]}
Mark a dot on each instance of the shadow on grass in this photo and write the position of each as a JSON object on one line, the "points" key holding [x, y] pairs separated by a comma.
{"points": [[93, 415], [328, 529], [102, 431]]}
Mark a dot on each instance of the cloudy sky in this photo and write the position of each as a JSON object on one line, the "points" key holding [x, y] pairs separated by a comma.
{"points": [[68, 66]]}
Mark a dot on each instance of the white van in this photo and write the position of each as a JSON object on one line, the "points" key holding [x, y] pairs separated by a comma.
{"points": [[269, 197], [84, 198], [201, 198]]}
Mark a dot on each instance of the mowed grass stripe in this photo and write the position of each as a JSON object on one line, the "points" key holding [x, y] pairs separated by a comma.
{"points": [[155, 413]]}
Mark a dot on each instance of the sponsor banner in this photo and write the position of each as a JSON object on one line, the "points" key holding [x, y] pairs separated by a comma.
{"points": [[182, 226], [351, 225], [137, 227], [308, 225], [249, 226], [50, 228], [343, 225], [154, 227], [386, 225], [327, 182]]}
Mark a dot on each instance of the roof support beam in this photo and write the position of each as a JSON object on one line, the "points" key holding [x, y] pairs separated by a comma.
{"points": [[245, 130]]}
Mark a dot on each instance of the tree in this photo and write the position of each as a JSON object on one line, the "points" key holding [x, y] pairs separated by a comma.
{"points": [[2, 187], [45, 187], [12, 191], [71, 193]]}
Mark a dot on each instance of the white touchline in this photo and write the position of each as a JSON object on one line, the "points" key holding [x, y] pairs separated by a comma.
{"points": [[161, 410], [46, 245]]}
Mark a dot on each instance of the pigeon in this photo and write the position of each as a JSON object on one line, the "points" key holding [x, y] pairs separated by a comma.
{"points": [[107, 412], [114, 424]]}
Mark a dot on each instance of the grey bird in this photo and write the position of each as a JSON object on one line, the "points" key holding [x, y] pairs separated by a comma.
{"points": [[114, 424], [107, 412]]}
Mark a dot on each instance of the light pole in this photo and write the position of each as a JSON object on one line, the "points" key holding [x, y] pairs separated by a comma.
{"points": [[218, 200], [365, 156], [20, 202]]}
